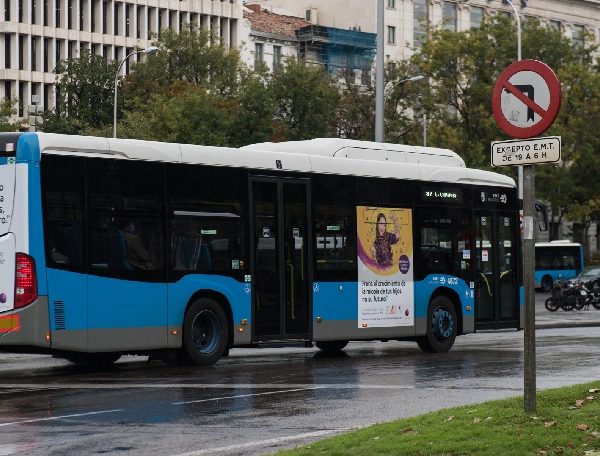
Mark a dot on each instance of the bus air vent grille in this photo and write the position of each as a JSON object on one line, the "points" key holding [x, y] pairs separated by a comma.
{"points": [[59, 315]]}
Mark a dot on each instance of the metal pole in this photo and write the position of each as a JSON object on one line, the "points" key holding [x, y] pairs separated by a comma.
{"points": [[529, 282], [116, 83], [518, 19], [424, 130], [526, 192], [379, 76]]}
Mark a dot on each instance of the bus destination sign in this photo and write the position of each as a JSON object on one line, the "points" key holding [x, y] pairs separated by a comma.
{"points": [[442, 194], [526, 152]]}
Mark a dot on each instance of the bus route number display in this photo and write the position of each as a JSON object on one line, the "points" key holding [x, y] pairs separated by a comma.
{"points": [[440, 194]]}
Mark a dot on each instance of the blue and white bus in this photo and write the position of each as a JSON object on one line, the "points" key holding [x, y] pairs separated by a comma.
{"points": [[557, 260], [111, 246]]}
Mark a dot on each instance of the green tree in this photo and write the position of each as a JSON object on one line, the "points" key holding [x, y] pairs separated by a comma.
{"points": [[84, 95], [8, 113], [306, 101], [184, 114], [193, 55]]}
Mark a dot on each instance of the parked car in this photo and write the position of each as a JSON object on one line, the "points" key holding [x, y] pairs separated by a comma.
{"points": [[589, 276]]}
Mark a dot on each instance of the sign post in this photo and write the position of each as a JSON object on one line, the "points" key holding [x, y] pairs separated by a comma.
{"points": [[525, 102]]}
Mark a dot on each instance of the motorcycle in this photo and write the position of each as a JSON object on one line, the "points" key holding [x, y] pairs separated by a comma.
{"points": [[590, 292], [566, 297]]}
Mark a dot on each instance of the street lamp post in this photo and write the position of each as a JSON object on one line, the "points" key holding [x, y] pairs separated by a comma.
{"points": [[415, 78], [148, 51], [379, 95]]}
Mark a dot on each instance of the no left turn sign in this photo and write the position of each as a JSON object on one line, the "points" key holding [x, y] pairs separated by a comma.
{"points": [[526, 99]]}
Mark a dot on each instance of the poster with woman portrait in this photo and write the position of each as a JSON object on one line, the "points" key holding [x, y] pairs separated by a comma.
{"points": [[385, 267]]}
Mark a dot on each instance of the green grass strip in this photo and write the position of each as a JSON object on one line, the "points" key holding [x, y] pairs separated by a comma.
{"points": [[567, 422]]}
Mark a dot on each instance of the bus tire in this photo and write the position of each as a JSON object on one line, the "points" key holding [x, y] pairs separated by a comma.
{"points": [[205, 332], [547, 284], [441, 326], [331, 346]]}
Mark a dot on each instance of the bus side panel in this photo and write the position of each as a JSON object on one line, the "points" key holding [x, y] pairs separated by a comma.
{"points": [[67, 299], [335, 315], [425, 289], [126, 315], [238, 294]]}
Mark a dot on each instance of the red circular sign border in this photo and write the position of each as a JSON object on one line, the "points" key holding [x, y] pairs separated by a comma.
{"points": [[553, 108]]}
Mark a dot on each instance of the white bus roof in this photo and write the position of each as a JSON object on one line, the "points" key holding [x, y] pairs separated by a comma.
{"points": [[323, 156]]}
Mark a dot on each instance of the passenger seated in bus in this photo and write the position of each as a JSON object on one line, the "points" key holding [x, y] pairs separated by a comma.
{"points": [[188, 250], [381, 250], [137, 255]]}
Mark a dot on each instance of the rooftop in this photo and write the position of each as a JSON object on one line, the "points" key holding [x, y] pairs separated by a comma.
{"points": [[262, 20]]}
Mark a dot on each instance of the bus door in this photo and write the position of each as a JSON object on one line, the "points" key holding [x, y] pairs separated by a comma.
{"points": [[496, 285], [280, 258]]}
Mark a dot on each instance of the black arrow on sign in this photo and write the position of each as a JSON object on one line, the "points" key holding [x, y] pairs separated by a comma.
{"points": [[530, 92]]}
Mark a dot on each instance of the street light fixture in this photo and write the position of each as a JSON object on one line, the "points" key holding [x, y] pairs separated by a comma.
{"points": [[148, 51]]}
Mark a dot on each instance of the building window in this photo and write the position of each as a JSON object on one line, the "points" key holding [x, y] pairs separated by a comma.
{"points": [[449, 17], [7, 10], [259, 52], [421, 20], [578, 35], [21, 52], [555, 25], [21, 98], [276, 57], [391, 34], [70, 14], [105, 6], [57, 46], [391, 68], [46, 9], [365, 76], [57, 22], [308, 15], [33, 11], [391, 4], [476, 17], [33, 53], [20, 10], [46, 55], [7, 51], [81, 15], [7, 90]]}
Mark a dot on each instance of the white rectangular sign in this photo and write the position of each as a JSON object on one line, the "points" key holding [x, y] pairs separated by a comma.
{"points": [[526, 151]]}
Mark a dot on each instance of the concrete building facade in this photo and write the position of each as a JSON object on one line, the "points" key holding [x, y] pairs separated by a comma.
{"points": [[36, 34], [407, 20]]}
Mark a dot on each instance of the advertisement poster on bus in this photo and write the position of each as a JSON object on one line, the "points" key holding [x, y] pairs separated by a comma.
{"points": [[385, 267]]}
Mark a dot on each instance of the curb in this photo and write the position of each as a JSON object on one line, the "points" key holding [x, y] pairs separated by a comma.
{"points": [[583, 324]]}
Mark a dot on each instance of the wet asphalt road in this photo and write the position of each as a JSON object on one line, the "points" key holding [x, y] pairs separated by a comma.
{"points": [[257, 401]]}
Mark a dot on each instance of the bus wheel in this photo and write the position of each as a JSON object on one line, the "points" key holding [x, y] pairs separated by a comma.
{"points": [[546, 284], [205, 331], [441, 326], [331, 346]]}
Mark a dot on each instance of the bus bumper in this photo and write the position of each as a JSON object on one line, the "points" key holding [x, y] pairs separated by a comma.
{"points": [[29, 326]]}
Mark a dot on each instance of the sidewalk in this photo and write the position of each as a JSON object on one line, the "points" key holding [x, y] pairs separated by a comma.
{"points": [[545, 319]]}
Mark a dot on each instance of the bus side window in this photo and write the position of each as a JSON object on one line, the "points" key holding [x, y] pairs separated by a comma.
{"points": [[335, 228], [205, 216], [125, 216], [63, 193]]}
